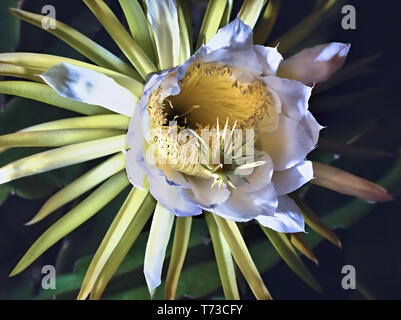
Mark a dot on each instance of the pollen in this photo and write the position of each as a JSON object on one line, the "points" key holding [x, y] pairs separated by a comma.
{"points": [[218, 94]]}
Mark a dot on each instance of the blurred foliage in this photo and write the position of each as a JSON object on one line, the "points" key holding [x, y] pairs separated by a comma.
{"points": [[368, 120], [9, 39]]}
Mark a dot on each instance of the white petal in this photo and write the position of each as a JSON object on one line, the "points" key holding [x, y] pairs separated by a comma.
{"points": [[135, 162], [244, 206], [233, 46], [271, 123], [174, 177], [291, 142], [312, 127], [287, 218], [289, 180], [156, 246], [165, 191], [270, 59], [294, 96], [259, 178], [170, 197], [163, 18], [315, 64], [234, 35], [135, 168], [88, 86], [257, 60], [244, 59]]}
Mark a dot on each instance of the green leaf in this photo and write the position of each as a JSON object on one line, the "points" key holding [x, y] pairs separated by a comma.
{"points": [[242, 257], [10, 25], [129, 260], [21, 113], [54, 138], [211, 21], [61, 157], [180, 246], [112, 239], [185, 7], [73, 219], [267, 21], [123, 39], [227, 13], [298, 242], [4, 192], [130, 236], [224, 260], [305, 27], [81, 185], [313, 221], [185, 39], [138, 25], [80, 42], [107, 121], [250, 11], [291, 258]]}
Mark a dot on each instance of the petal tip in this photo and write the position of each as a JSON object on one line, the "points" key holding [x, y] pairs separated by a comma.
{"points": [[30, 222], [387, 197]]}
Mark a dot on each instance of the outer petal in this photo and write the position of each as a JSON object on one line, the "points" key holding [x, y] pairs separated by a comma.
{"points": [[234, 35], [315, 64], [137, 132], [291, 142], [270, 59], [244, 206], [255, 59], [135, 167], [156, 247], [347, 183], [170, 196], [288, 217], [88, 86], [175, 177], [163, 18], [289, 180], [135, 162], [293, 94]]}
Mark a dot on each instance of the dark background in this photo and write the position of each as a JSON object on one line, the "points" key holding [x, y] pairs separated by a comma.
{"points": [[372, 245]]}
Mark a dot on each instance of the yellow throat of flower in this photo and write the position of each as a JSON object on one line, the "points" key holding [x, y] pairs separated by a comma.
{"points": [[211, 97]]}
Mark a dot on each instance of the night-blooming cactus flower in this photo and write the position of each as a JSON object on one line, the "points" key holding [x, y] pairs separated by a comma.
{"points": [[252, 104], [228, 84], [234, 84]]}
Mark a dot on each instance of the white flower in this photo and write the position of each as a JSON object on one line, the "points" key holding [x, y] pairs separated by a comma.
{"points": [[228, 82], [275, 107], [232, 80]]}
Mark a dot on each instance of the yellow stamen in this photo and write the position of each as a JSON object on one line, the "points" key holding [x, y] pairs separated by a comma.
{"points": [[208, 92]]}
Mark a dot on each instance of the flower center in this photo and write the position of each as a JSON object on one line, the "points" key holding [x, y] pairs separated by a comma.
{"points": [[213, 97]]}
